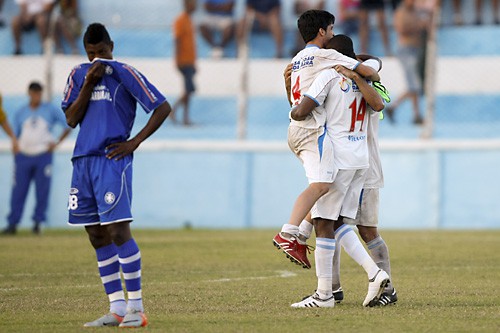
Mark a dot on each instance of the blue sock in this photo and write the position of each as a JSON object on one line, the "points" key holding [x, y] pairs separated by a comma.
{"points": [[130, 261], [109, 270]]}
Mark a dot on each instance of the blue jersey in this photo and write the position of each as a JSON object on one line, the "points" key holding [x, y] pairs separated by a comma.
{"points": [[111, 110]]}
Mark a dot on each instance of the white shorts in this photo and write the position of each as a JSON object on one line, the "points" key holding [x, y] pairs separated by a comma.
{"points": [[343, 196], [314, 149], [367, 214], [217, 22]]}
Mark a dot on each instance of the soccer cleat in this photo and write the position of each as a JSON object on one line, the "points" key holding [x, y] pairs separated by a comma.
{"points": [[338, 295], [388, 298], [314, 301], [296, 252], [134, 318], [110, 319], [376, 286]]}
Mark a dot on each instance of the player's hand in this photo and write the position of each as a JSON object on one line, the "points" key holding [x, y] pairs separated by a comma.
{"points": [[52, 147], [287, 74], [95, 72], [15, 147], [119, 150], [346, 72]]}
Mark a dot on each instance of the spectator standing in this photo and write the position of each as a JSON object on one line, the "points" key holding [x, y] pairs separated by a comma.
{"points": [[218, 19], [68, 25], [185, 57], [349, 16], [32, 13], [366, 7], [267, 15], [410, 27], [33, 125]]}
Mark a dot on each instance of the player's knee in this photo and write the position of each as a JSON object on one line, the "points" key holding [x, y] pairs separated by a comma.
{"points": [[320, 188]]}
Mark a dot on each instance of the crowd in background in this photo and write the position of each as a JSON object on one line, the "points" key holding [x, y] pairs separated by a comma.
{"points": [[219, 25]]}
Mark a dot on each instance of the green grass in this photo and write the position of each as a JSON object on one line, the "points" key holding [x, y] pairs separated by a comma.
{"points": [[236, 281]]}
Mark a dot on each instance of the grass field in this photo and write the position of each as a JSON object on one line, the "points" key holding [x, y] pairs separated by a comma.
{"points": [[236, 281]]}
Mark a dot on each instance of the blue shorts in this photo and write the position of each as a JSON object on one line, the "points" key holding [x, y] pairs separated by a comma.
{"points": [[188, 75], [101, 191]]}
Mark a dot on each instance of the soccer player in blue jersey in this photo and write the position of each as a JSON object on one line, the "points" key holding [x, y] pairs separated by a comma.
{"points": [[101, 96]]}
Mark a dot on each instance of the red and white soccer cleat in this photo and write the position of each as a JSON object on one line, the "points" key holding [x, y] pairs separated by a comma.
{"points": [[295, 251]]}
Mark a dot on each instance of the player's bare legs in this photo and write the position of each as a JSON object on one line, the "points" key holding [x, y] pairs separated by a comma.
{"points": [[290, 239]]}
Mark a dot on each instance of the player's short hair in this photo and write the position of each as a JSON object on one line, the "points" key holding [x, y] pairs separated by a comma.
{"points": [[96, 33], [343, 44], [311, 21], [35, 86]]}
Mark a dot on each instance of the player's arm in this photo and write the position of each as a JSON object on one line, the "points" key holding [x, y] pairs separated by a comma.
{"points": [[76, 111], [369, 94], [305, 107], [121, 149], [365, 57], [367, 72], [287, 75]]}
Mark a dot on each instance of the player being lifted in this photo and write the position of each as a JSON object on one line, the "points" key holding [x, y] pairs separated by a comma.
{"points": [[316, 28], [101, 97]]}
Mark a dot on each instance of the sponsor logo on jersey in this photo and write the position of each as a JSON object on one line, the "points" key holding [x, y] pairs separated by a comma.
{"points": [[109, 198], [354, 138], [355, 87], [101, 93], [304, 62], [73, 190], [344, 85]]}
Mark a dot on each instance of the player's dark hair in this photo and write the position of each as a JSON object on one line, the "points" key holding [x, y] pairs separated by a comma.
{"points": [[311, 21], [96, 33], [343, 44]]}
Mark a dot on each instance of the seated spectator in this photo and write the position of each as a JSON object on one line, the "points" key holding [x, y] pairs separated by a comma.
{"points": [[366, 7], [266, 14], [349, 16], [68, 26], [299, 7], [32, 14], [494, 10], [218, 19]]}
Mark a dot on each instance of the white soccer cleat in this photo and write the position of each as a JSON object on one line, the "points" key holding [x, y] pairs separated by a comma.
{"points": [[134, 319], [314, 301], [110, 319], [376, 287]]}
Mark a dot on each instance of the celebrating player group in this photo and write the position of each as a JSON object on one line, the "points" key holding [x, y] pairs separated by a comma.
{"points": [[337, 99]]}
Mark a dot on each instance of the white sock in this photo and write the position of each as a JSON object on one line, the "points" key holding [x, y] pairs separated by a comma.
{"points": [[305, 229], [290, 229], [323, 255], [346, 237]]}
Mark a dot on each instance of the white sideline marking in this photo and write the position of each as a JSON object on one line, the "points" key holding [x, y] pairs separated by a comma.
{"points": [[280, 274]]}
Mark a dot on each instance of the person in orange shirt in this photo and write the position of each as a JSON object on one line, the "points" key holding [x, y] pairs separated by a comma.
{"points": [[185, 57]]}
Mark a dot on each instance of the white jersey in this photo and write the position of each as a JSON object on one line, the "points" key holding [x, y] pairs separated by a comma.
{"points": [[374, 174], [347, 121], [307, 64]]}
